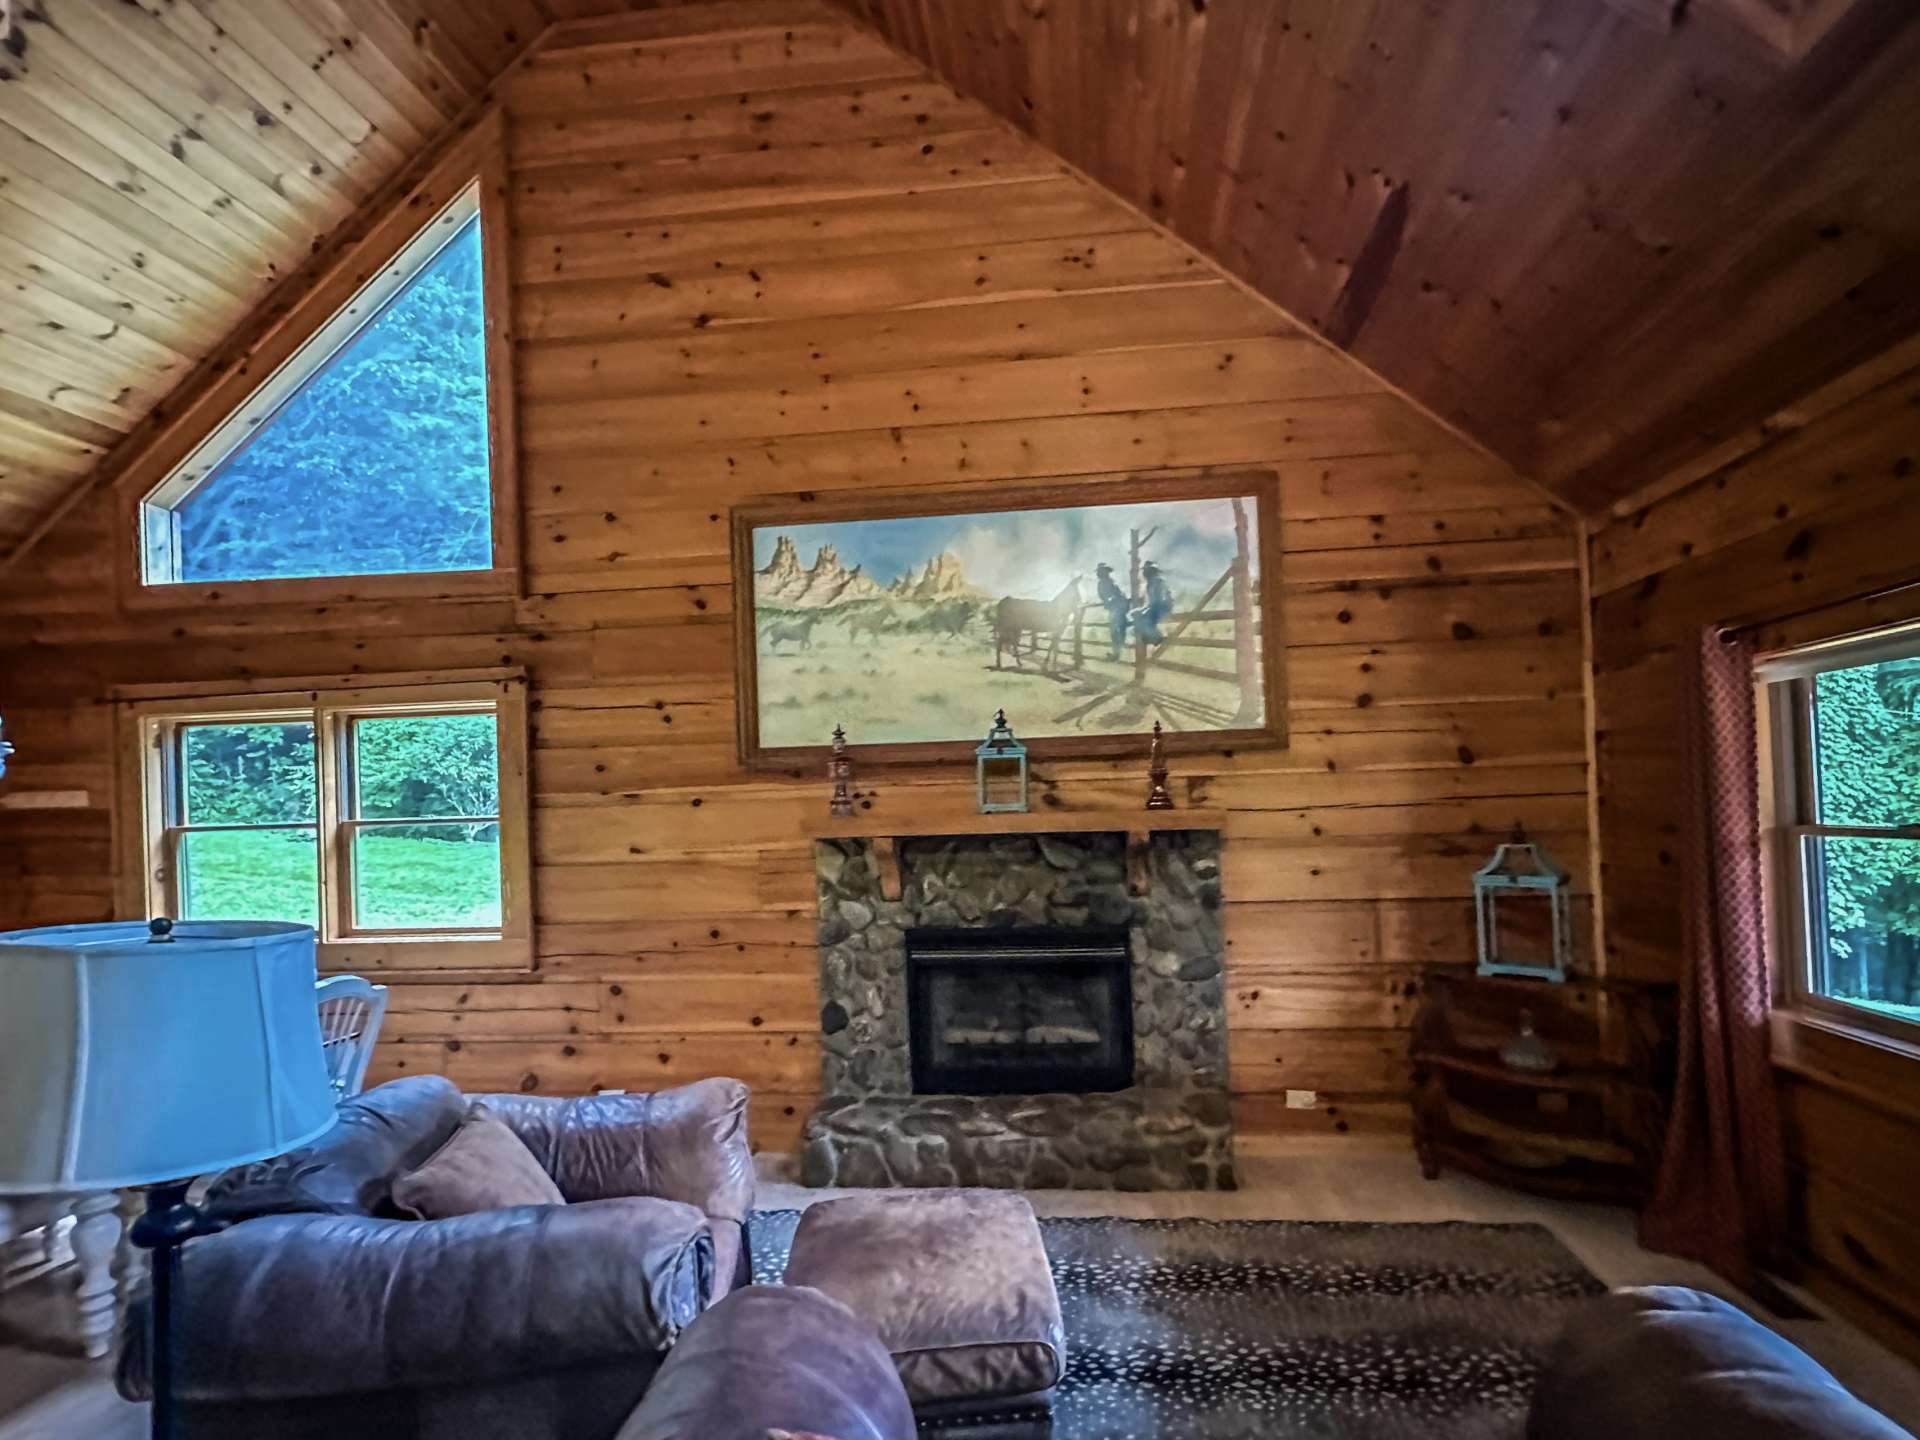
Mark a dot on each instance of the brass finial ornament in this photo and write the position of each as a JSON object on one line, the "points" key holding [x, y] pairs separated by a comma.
{"points": [[1158, 796], [840, 771]]}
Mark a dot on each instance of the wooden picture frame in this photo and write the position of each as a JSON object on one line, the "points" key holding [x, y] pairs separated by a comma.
{"points": [[1251, 585]]}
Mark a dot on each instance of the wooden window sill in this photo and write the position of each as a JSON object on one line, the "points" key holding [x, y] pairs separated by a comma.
{"points": [[1874, 1068], [375, 958], [328, 590]]}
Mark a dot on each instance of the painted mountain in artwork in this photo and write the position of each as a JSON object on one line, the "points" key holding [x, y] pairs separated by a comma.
{"points": [[783, 584], [942, 578]]}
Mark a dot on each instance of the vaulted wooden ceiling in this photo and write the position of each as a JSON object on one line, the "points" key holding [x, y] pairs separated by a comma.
{"points": [[1601, 236]]}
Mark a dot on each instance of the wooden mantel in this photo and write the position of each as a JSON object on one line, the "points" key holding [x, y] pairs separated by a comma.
{"points": [[875, 824], [1136, 825]]}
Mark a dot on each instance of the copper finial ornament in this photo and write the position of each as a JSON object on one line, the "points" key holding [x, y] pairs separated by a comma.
{"points": [[840, 771], [1158, 796]]}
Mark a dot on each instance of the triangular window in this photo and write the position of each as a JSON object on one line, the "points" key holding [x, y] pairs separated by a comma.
{"points": [[366, 453]]}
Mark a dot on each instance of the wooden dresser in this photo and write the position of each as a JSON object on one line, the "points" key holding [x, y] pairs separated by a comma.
{"points": [[1590, 1129]]}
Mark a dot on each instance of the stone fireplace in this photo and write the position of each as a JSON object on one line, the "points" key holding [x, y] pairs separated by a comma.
{"points": [[1040, 1010]]}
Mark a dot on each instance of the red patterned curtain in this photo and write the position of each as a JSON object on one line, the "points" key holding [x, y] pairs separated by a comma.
{"points": [[1721, 1195]]}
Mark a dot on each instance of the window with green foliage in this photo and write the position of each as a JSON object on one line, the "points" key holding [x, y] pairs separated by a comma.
{"points": [[422, 822], [1848, 756], [367, 453], [368, 815], [246, 837]]}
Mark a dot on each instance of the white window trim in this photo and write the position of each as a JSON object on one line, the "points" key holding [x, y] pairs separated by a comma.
{"points": [[149, 885], [159, 522], [1785, 683]]}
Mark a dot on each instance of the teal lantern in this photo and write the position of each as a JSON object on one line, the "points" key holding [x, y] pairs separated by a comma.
{"points": [[1002, 767], [1523, 912]]}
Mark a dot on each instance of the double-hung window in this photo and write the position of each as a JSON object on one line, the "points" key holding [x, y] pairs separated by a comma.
{"points": [[1845, 754], [389, 817]]}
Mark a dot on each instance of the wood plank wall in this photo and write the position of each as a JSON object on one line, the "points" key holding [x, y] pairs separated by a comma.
{"points": [[1826, 510], [801, 263]]}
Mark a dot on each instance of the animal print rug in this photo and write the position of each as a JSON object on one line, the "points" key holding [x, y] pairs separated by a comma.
{"points": [[1232, 1329]]}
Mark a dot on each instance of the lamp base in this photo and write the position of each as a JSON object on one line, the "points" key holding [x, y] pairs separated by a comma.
{"points": [[168, 1222]]}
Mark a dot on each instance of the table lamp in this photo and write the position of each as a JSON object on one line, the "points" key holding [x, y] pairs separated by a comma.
{"points": [[136, 1055]]}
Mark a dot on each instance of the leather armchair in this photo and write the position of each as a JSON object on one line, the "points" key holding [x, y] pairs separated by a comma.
{"points": [[688, 1145], [321, 1312]]}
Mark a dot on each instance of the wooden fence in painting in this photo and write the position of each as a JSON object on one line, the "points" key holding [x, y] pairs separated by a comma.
{"points": [[1237, 581]]}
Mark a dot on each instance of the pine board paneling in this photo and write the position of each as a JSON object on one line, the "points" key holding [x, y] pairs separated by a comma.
{"points": [[1506, 209], [1786, 538], [842, 314], [1503, 210]]}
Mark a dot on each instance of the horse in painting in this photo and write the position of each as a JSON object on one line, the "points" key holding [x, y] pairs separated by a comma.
{"points": [[796, 630], [1038, 619]]}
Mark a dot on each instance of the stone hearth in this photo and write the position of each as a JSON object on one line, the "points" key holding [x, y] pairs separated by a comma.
{"points": [[1129, 1140], [1171, 1129]]}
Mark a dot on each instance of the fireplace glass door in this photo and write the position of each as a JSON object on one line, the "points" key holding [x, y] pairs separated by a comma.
{"points": [[995, 1012]]}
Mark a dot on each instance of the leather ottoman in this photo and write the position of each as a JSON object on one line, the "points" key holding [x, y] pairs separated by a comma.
{"points": [[957, 1285]]}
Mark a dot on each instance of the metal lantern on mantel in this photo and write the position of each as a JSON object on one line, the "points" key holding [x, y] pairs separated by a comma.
{"points": [[1002, 767], [1523, 913]]}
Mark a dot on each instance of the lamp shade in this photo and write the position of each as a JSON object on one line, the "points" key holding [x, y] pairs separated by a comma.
{"points": [[126, 1060]]}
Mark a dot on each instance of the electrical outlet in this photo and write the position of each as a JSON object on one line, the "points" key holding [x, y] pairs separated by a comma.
{"points": [[1302, 1099]]}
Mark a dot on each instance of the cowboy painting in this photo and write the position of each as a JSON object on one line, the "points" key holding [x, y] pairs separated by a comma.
{"points": [[1085, 619]]}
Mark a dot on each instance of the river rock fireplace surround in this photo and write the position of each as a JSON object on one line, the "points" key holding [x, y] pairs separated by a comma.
{"points": [[1036, 1010]]}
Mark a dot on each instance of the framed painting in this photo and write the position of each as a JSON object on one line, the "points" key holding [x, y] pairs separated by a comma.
{"points": [[1087, 610]]}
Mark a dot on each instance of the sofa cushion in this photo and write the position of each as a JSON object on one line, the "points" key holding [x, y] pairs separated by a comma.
{"points": [[349, 1170], [1667, 1363], [483, 1166], [956, 1283]]}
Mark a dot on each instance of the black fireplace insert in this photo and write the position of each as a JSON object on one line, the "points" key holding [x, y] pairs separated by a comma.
{"points": [[1000, 1012]]}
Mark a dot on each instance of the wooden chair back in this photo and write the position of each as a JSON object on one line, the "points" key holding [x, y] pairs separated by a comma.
{"points": [[351, 1010]]}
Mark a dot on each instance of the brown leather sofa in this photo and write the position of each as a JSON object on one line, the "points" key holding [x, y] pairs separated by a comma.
{"points": [[1667, 1363], [321, 1313]]}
